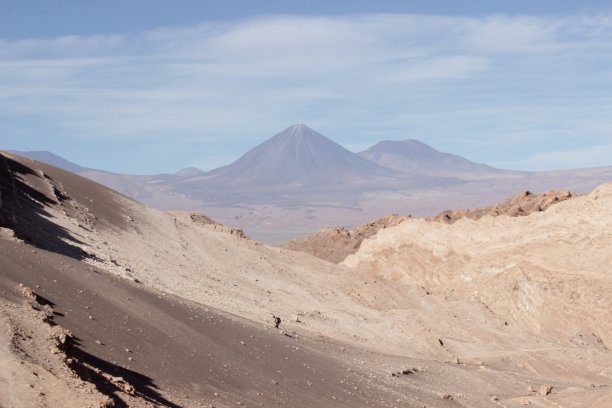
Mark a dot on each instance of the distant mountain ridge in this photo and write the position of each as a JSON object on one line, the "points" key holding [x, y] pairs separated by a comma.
{"points": [[299, 181], [299, 152], [189, 172], [413, 156], [295, 167], [47, 157]]}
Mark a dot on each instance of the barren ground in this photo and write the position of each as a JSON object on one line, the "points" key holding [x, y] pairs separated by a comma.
{"points": [[168, 309]]}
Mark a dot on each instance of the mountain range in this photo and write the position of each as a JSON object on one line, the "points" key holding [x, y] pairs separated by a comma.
{"points": [[299, 181]]}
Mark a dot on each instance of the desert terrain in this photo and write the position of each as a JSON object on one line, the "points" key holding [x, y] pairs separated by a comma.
{"points": [[335, 244], [107, 302], [299, 181]]}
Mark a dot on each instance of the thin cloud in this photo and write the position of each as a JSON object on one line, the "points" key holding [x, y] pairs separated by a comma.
{"points": [[493, 81], [577, 157]]}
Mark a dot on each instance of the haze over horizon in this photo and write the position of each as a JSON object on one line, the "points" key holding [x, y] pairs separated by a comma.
{"points": [[299, 181], [520, 86]]}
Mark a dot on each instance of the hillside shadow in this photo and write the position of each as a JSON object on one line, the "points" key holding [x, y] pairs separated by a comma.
{"points": [[144, 387], [24, 209]]}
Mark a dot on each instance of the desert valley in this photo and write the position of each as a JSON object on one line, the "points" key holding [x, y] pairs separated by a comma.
{"points": [[300, 181], [305, 204], [107, 302]]}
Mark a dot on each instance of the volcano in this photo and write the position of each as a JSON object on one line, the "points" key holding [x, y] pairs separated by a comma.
{"points": [[298, 154]]}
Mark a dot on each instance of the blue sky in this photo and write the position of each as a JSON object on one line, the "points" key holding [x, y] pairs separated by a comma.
{"points": [[154, 86]]}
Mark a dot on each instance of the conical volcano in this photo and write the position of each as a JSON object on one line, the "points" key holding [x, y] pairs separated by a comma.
{"points": [[298, 154]]}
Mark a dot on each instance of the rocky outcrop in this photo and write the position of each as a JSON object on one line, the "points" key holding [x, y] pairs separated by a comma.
{"points": [[334, 244], [522, 204]]}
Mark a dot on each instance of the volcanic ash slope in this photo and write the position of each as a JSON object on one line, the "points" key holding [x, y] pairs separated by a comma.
{"points": [[186, 255], [142, 347]]}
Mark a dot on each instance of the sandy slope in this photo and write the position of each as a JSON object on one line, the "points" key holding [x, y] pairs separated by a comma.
{"points": [[484, 309], [180, 254], [542, 283], [33, 369], [143, 347]]}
